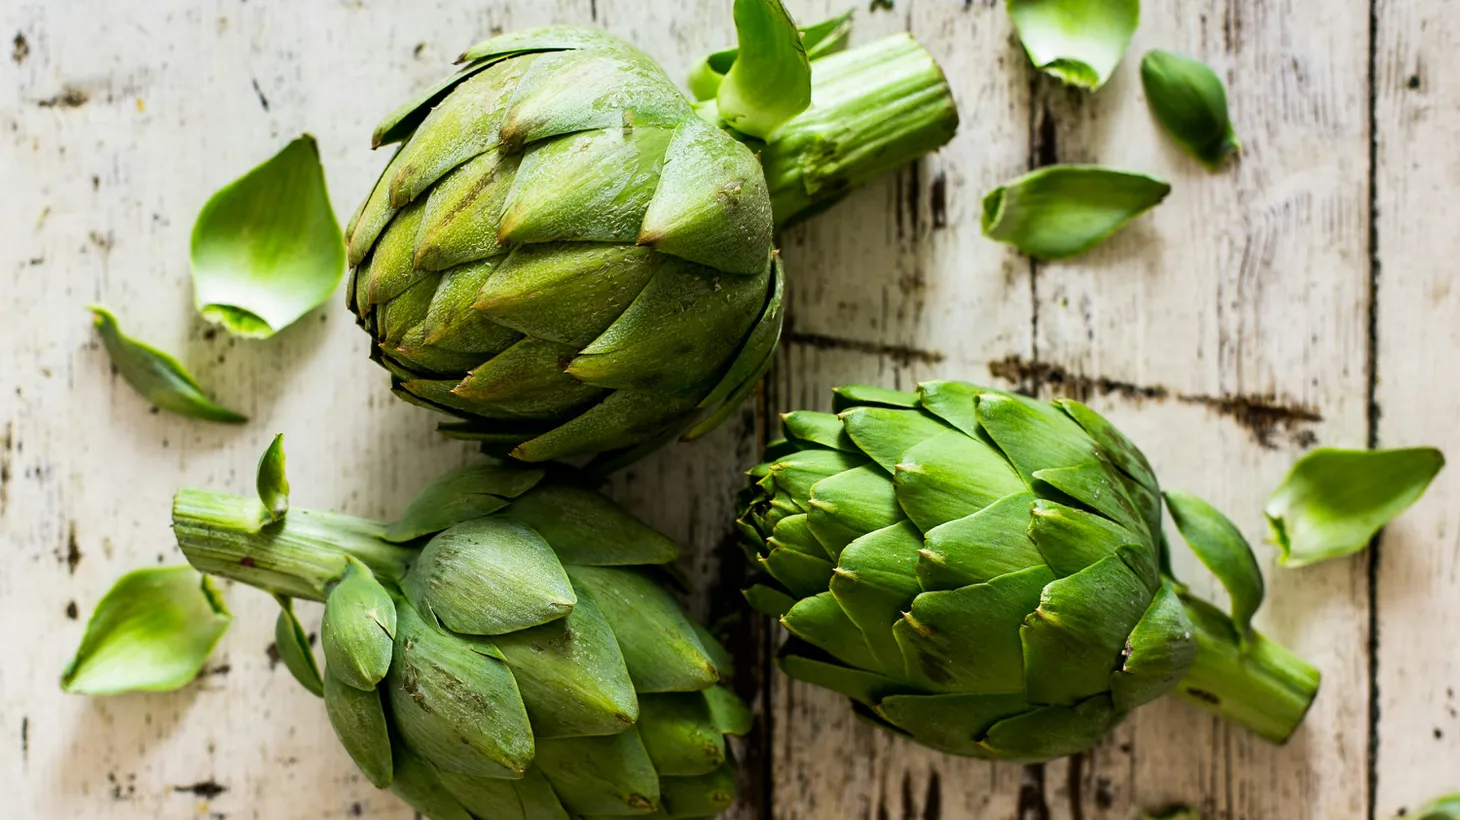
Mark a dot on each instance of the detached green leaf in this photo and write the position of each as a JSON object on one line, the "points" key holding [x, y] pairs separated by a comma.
{"points": [[273, 485], [769, 81], [1444, 808], [267, 248], [827, 37], [1221, 547], [1079, 41], [151, 632], [294, 649], [1333, 501], [1189, 101], [156, 375], [1063, 210]]}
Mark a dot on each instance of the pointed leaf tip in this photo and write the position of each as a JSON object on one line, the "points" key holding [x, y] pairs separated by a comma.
{"points": [[769, 81], [157, 376], [266, 248], [151, 632], [1332, 502], [1079, 41], [272, 484]]}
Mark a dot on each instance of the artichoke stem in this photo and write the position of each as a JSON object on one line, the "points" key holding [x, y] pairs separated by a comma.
{"points": [[1257, 683], [298, 557], [873, 108]]}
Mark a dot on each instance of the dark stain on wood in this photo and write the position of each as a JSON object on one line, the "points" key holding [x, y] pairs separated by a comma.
{"points": [[259, 92], [272, 650], [70, 97], [933, 800], [1104, 797], [25, 739], [73, 549], [902, 354], [71, 611], [1046, 142], [1032, 803], [938, 200], [914, 198], [1263, 416], [122, 790], [206, 789], [7, 451], [19, 49]]}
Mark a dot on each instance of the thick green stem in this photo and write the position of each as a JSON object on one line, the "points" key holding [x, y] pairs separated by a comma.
{"points": [[873, 108], [1255, 683], [298, 557]]}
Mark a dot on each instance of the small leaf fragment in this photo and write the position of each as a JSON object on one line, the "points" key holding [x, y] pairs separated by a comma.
{"points": [[1221, 547], [151, 632], [1078, 41], [1189, 101], [1332, 501], [266, 248], [273, 485], [770, 79], [294, 649], [158, 377], [1063, 210]]}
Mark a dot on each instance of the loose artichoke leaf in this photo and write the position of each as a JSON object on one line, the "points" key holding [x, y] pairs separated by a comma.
{"points": [[953, 402], [1221, 547], [585, 528], [271, 482], [770, 80], [1078, 41], [358, 631], [573, 91], [1332, 502], [851, 395], [155, 375], [1052, 731], [952, 723], [358, 718], [489, 576], [730, 714], [703, 795], [952, 476], [980, 547], [680, 734], [1075, 639], [875, 582], [660, 646], [886, 435], [826, 37], [464, 211], [821, 621], [967, 640], [461, 495], [572, 675], [294, 648], [151, 632], [1159, 652], [569, 292], [1190, 102], [266, 248], [455, 702], [1069, 539], [529, 798], [1033, 435], [1063, 210], [850, 504], [711, 205], [823, 429], [601, 775], [418, 783], [860, 685], [804, 575], [769, 601]]}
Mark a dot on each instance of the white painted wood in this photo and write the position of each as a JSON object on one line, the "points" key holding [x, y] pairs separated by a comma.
{"points": [[1248, 282]]}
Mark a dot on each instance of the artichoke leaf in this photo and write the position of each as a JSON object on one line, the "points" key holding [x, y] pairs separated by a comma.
{"points": [[1221, 547], [951, 476], [660, 646], [267, 249], [980, 547], [271, 482], [860, 685], [822, 622], [826, 37], [358, 718], [601, 775], [953, 723], [358, 630], [850, 504], [886, 435], [461, 495], [419, 784], [704, 795], [680, 734], [769, 81], [875, 582], [1078, 41], [294, 648], [585, 528], [822, 429], [1063, 210], [1052, 731], [1190, 102], [155, 375], [1075, 639], [1159, 651]]}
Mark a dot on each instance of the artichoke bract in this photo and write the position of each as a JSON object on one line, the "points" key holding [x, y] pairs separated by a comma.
{"points": [[576, 260], [508, 649], [986, 574]]}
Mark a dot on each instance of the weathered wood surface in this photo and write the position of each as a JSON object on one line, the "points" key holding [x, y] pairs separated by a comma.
{"points": [[1230, 329]]}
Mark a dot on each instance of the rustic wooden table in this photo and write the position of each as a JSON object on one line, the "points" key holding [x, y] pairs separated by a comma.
{"points": [[1302, 296]]}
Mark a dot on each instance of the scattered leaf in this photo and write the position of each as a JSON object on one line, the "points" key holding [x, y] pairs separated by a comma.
{"points": [[151, 632], [273, 485], [266, 248], [1221, 547], [1189, 101], [1063, 210], [294, 649], [1078, 41], [156, 375], [1332, 502], [770, 80]]}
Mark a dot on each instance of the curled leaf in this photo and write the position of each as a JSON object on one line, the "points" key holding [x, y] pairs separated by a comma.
{"points": [[272, 484], [1189, 101], [1221, 547], [769, 81], [1332, 502], [266, 248], [151, 632], [294, 649], [826, 37], [1079, 41], [156, 375], [1063, 210]]}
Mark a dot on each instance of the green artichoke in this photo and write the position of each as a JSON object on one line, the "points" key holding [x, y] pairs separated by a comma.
{"points": [[507, 650], [576, 260], [986, 574]]}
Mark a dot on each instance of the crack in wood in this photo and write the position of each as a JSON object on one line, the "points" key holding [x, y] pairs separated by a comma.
{"points": [[902, 354]]}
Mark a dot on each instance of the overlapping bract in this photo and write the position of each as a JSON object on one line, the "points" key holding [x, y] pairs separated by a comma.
{"points": [[563, 254], [507, 650], [976, 570]]}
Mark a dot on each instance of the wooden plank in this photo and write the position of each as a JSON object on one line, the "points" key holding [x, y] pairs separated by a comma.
{"points": [[1417, 566], [1209, 330]]}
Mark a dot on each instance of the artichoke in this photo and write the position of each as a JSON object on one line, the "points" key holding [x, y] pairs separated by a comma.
{"points": [[509, 649], [576, 260], [986, 574]]}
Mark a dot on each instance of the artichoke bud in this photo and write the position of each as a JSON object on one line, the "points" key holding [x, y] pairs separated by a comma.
{"points": [[358, 631]]}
